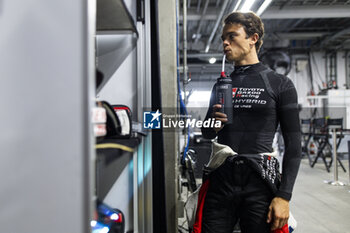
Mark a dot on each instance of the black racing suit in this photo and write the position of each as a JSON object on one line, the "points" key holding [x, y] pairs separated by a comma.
{"points": [[262, 99]]}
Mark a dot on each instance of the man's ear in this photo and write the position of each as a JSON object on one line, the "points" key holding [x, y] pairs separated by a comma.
{"points": [[254, 38]]}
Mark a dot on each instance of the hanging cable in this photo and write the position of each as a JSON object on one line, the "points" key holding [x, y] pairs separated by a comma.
{"points": [[183, 110]]}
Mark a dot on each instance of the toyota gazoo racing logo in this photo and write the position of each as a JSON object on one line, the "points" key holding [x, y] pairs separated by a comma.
{"points": [[234, 91]]}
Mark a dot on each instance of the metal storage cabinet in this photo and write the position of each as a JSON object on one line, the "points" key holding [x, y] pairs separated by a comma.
{"points": [[47, 80]]}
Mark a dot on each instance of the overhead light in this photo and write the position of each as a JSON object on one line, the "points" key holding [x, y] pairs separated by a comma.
{"points": [[247, 5], [263, 7], [237, 5], [212, 60]]}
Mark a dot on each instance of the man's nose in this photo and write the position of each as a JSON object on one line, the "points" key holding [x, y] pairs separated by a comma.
{"points": [[225, 43]]}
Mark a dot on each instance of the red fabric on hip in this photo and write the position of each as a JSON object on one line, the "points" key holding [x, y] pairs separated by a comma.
{"points": [[284, 229], [197, 227]]}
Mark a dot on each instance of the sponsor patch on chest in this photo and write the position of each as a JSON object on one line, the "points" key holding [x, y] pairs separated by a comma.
{"points": [[251, 95]]}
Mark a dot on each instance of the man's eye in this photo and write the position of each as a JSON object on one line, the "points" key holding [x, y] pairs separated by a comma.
{"points": [[228, 37]]}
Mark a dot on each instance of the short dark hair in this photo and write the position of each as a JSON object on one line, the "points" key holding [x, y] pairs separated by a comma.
{"points": [[251, 23]]}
